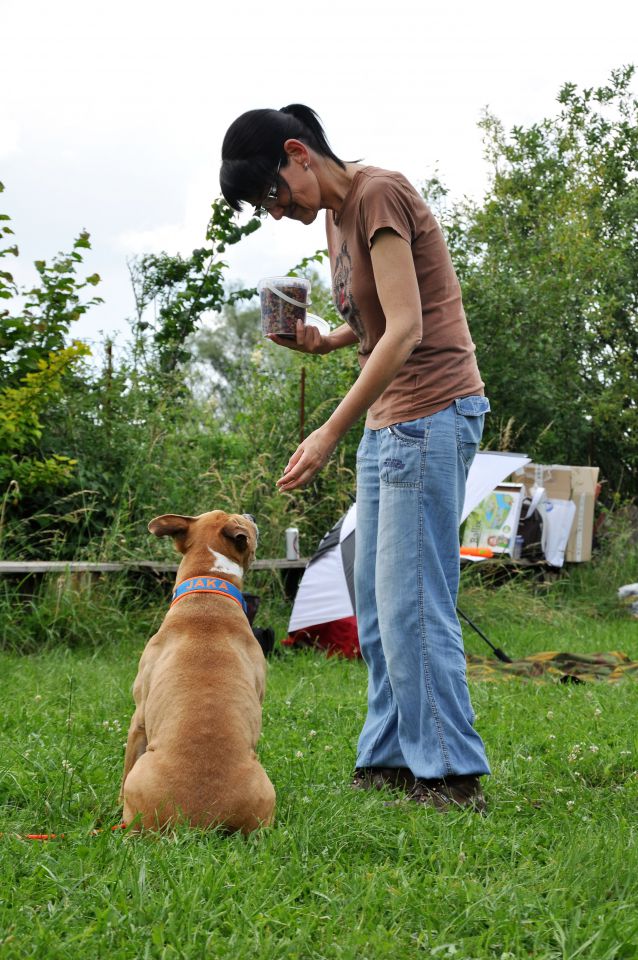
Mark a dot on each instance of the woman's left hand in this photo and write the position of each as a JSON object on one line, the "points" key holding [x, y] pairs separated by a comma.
{"points": [[309, 457]]}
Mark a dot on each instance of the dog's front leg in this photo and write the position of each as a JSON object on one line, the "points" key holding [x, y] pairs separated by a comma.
{"points": [[135, 745]]}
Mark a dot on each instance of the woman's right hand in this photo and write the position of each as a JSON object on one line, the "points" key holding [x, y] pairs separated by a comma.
{"points": [[307, 339]]}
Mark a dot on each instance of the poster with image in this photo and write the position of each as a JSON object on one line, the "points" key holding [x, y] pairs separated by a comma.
{"points": [[494, 522]]}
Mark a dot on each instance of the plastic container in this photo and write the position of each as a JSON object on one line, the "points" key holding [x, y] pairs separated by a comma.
{"points": [[312, 320], [283, 302], [519, 543]]}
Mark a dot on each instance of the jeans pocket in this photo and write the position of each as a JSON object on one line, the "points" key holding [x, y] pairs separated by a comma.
{"points": [[400, 457], [411, 431], [470, 418]]}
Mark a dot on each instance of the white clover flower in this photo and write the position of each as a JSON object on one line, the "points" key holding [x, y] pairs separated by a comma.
{"points": [[550, 714], [37, 698], [552, 736], [598, 712], [299, 754], [593, 748], [571, 804], [312, 733]]}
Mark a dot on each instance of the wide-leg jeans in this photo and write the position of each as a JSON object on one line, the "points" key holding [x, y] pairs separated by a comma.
{"points": [[410, 492]]}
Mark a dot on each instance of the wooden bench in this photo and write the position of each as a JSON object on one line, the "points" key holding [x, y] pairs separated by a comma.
{"points": [[292, 570], [79, 566]]}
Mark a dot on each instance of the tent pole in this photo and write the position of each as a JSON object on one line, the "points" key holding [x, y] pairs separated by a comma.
{"points": [[302, 405], [497, 652]]}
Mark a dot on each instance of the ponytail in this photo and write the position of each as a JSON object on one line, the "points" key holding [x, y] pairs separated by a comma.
{"points": [[316, 136]]}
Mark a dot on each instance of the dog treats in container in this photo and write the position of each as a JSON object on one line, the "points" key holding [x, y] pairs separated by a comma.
{"points": [[283, 302]]}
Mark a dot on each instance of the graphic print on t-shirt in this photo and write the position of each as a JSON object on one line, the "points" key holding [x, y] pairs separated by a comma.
{"points": [[342, 291]]}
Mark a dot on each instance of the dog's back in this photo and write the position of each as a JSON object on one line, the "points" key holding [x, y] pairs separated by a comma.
{"points": [[191, 748]]}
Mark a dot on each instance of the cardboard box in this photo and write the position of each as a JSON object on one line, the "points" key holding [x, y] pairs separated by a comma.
{"points": [[556, 479], [494, 522], [577, 484], [584, 484]]}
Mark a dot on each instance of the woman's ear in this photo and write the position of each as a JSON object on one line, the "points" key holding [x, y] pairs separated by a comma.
{"points": [[297, 151]]}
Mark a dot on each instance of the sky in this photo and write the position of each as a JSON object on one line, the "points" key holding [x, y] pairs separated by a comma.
{"points": [[112, 114]]}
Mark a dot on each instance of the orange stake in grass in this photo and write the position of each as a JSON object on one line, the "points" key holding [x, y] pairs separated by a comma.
{"points": [[476, 552], [61, 836]]}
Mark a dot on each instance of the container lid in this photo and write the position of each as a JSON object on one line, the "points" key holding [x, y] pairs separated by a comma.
{"points": [[275, 283], [312, 320]]}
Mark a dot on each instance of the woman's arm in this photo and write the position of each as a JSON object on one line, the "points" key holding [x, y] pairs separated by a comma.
{"points": [[398, 293]]}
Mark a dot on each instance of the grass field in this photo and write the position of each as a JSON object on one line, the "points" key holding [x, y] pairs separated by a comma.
{"points": [[550, 872]]}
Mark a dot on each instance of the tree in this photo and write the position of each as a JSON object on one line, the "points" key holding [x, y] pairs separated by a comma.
{"points": [[42, 314], [549, 270], [36, 364], [182, 289]]}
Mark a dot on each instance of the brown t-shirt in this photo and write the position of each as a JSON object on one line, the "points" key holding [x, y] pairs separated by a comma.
{"points": [[443, 366]]}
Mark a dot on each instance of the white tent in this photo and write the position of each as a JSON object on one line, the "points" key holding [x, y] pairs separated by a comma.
{"points": [[326, 590]]}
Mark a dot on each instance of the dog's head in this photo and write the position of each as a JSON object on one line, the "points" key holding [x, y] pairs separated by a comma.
{"points": [[215, 542]]}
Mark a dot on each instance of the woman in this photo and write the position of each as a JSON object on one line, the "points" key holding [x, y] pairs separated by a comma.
{"points": [[395, 287]]}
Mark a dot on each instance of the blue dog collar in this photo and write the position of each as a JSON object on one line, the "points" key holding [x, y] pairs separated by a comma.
{"points": [[209, 585]]}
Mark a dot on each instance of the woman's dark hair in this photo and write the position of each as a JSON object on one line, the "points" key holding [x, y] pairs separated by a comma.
{"points": [[253, 148]]}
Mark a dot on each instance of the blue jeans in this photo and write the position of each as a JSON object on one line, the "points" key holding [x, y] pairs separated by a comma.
{"points": [[410, 494]]}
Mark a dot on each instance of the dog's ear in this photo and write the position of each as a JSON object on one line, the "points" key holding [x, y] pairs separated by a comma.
{"points": [[238, 534], [170, 525]]}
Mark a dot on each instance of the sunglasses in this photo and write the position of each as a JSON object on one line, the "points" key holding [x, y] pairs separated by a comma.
{"points": [[272, 197]]}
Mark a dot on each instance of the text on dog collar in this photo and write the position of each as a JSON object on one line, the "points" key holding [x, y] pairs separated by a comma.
{"points": [[209, 585]]}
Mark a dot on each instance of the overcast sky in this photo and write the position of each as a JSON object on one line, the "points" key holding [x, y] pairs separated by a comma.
{"points": [[112, 113]]}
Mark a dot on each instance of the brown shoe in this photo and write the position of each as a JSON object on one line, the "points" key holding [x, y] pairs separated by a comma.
{"points": [[380, 778], [450, 793]]}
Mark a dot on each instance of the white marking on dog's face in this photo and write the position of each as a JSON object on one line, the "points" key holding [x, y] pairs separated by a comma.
{"points": [[224, 564]]}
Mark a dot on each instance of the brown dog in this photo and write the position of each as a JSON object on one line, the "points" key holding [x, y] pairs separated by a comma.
{"points": [[190, 754]]}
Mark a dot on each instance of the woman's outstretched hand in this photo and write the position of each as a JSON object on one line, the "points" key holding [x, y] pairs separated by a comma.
{"points": [[307, 339], [309, 457]]}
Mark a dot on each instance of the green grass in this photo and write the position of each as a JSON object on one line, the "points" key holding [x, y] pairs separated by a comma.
{"points": [[550, 872]]}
